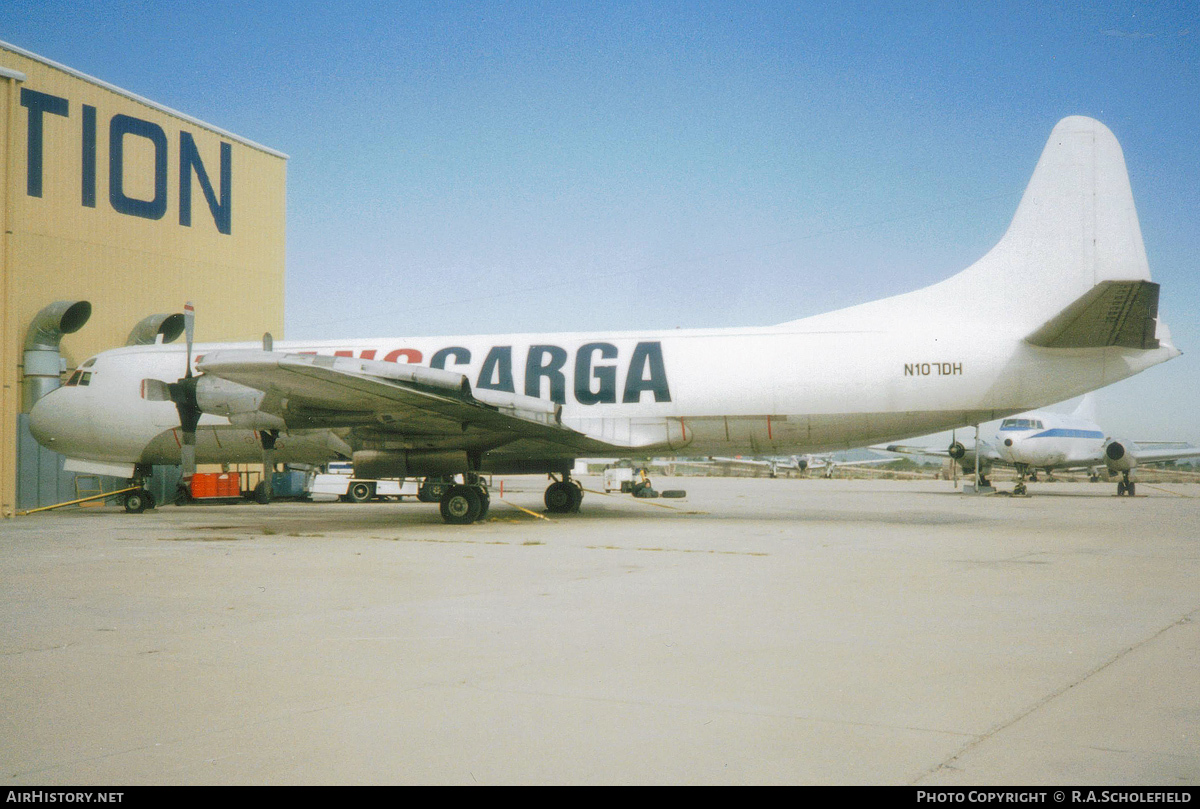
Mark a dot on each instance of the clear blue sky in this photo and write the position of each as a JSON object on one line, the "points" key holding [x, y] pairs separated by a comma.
{"points": [[498, 167]]}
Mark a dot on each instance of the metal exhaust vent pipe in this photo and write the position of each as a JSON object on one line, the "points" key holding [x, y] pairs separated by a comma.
{"points": [[146, 332], [43, 363]]}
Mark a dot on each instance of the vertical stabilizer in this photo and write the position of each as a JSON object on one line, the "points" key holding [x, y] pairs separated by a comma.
{"points": [[1075, 227], [1086, 409]]}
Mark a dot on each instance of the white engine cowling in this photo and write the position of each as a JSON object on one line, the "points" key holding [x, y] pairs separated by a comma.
{"points": [[1118, 456]]}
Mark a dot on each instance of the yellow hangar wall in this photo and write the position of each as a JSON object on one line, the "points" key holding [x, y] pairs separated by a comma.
{"points": [[136, 208]]}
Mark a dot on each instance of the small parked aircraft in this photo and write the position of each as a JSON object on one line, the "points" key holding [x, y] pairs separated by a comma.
{"points": [[1047, 440]]}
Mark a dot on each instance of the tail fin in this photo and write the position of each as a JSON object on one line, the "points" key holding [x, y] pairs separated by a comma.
{"points": [[1076, 227], [1086, 409]]}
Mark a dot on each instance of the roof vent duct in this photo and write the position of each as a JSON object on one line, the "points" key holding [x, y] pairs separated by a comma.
{"points": [[42, 360], [147, 331]]}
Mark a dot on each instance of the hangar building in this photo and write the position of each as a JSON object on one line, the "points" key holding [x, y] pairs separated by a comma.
{"points": [[114, 208]]}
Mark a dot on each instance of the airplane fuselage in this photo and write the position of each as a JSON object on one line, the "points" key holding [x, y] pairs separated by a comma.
{"points": [[756, 391], [1049, 441]]}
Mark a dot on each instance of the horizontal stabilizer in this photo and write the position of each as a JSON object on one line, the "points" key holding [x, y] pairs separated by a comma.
{"points": [[1112, 313]]}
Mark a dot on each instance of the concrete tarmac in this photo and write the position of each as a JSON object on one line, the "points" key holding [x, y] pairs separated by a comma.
{"points": [[756, 632]]}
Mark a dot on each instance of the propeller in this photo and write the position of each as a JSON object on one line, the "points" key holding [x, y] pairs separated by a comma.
{"points": [[183, 393]]}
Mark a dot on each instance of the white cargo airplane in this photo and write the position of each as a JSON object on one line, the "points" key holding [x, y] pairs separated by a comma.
{"points": [[1062, 305], [1047, 440]]}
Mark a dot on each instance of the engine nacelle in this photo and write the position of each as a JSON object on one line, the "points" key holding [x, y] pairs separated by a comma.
{"points": [[404, 463], [957, 451], [242, 405], [1118, 456]]}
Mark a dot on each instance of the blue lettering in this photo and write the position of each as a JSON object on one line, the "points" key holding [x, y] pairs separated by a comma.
{"points": [[189, 159], [462, 356], [88, 197], [606, 375], [546, 362], [38, 103], [118, 128], [646, 373], [496, 373]]}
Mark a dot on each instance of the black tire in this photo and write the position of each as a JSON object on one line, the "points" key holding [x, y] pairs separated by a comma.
{"points": [[361, 492], [562, 497], [461, 505], [261, 495], [136, 501], [674, 493]]}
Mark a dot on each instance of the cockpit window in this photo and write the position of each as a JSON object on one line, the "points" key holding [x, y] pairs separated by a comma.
{"points": [[1021, 424], [89, 363], [85, 379], [74, 380]]}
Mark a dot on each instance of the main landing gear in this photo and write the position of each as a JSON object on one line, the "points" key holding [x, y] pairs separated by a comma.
{"points": [[1125, 486], [563, 496], [465, 503]]}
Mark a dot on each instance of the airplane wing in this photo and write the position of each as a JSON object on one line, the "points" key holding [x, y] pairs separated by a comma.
{"points": [[964, 457], [431, 407], [1162, 455]]}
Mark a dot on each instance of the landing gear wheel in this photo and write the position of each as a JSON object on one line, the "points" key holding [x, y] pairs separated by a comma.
{"points": [[461, 505], [360, 492], [138, 501], [562, 497], [261, 495], [183, 495], [431, 491]]}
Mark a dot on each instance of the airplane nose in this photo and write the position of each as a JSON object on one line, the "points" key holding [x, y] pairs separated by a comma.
{"points": [[60, 423]]}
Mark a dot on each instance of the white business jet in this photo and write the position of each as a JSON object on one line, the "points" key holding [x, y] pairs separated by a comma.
{"points": [[1062, 305], [1048, 441]]}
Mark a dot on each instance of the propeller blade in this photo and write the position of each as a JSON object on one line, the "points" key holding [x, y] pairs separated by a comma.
{"points": [[189, 328], [187, 455], [155, 390]]}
